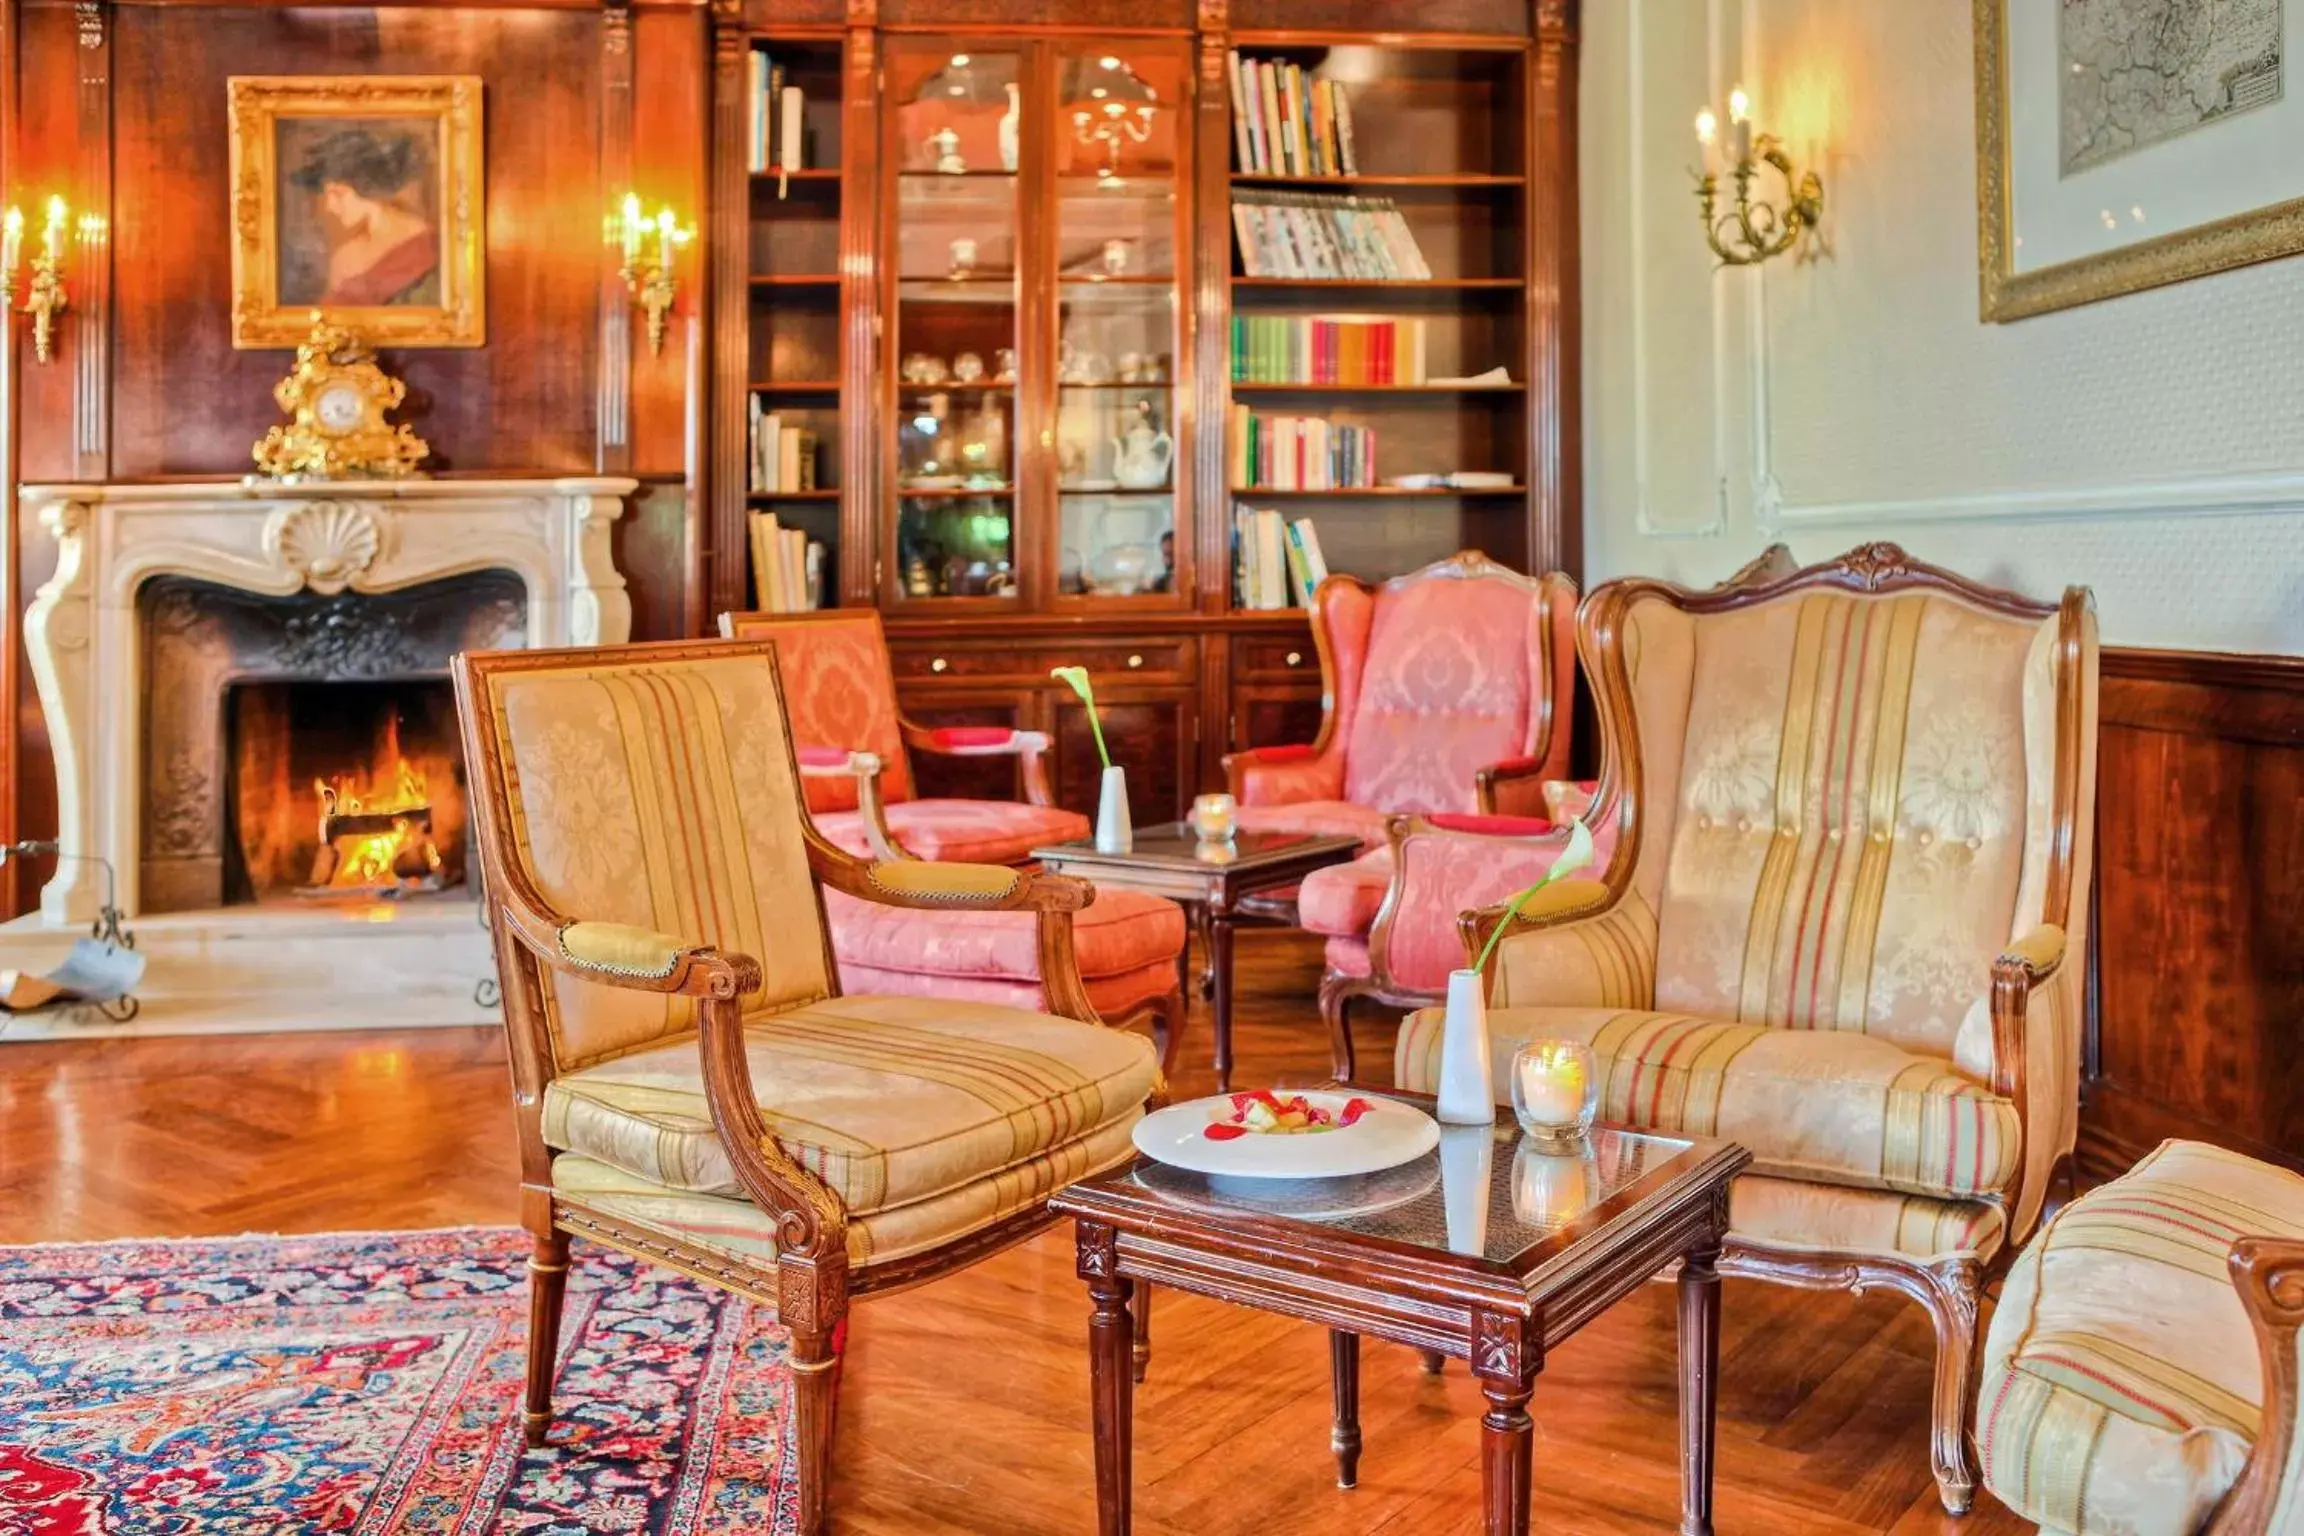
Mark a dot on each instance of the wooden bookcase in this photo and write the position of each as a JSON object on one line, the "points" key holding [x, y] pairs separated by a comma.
{"points": [[831, 286]]}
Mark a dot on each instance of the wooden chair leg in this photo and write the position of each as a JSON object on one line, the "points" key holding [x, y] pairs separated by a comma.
{"points": [[1434, 1361], [1951, 1304], [1335, 1008], [547, 1291], [1141, 1309], [1169, 1015], [815, 1403]]}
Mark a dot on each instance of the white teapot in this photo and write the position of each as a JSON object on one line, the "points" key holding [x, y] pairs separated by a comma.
{"points": [[1143, 455]]}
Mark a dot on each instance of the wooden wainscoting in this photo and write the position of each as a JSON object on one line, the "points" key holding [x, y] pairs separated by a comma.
{"points": [[2199, 985]]}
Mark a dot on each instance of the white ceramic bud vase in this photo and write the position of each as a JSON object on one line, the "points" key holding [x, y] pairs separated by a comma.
{"points": [[1113, 834], [1467, 1093]]}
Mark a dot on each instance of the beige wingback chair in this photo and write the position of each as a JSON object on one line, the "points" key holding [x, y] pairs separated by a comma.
{"points": [[689, 1084], [1852, 807]]}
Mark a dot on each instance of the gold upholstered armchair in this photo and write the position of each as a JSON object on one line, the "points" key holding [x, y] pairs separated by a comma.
{"points": [[689, 1084], [1844, 923]]}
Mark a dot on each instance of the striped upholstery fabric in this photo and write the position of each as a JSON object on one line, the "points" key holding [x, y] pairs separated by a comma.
{"points": [[889, 1100], [663, 797], [1834, 1108], [741, 1230], [1607, 961], [1829, 1218], [2121, 1386]]}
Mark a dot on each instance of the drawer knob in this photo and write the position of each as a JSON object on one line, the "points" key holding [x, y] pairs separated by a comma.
{"points": [[1135, 661], [938, 665], [1295, 658]]}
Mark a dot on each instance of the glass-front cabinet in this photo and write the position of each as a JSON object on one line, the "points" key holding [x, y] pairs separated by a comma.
{"points": [[1034, 339]]}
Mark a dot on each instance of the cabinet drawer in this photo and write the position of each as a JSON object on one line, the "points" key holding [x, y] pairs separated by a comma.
{"points": [[1260, 658], [1149, 660]]}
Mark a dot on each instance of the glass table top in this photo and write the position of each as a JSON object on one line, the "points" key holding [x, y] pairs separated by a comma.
{"points": [[1486, 1192], [1175, 843]]}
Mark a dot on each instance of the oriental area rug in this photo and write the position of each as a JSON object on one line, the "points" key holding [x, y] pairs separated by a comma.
{"points": [[369, 1383]]}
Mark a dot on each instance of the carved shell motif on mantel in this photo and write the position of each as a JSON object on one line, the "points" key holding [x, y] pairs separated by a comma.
{"points": [[328, 543]]}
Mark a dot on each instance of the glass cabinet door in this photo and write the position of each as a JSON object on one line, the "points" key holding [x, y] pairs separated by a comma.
{"points": [[958, 268], [1116, 139]]}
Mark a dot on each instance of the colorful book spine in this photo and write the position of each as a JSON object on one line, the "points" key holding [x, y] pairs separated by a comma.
{"points": [[1300, 453], [1363, 351], [1286, 122], [1310, 234]]}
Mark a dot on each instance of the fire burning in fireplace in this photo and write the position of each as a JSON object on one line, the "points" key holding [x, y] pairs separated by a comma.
{"points": [[376, 839]]}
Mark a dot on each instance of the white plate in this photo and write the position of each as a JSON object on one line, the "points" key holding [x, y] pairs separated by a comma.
{"points": [[1389, 1134]]}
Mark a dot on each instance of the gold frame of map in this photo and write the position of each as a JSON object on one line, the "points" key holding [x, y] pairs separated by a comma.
{"points": [[2261, 234], [451, 310]]}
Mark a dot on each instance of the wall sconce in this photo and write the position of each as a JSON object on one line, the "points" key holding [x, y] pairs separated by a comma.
{"points": [[46, 298], [1751, 232], [648, 246]]}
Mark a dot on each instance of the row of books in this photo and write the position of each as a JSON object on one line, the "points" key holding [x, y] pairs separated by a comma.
{"points": [[777, 141], [1322, 234], [783, 456], [1288, 123], [1276, 563], [1300, 453], [1327, 349], [787, 567]]}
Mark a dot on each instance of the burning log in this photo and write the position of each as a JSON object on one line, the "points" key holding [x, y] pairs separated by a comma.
{"points": [[388, 848]]}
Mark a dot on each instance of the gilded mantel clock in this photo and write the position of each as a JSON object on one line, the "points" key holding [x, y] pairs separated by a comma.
{"points": [[336, 398]]}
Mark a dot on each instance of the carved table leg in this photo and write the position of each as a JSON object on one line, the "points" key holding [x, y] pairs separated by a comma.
{"points": [[1344, 1369], [1111, 1347], [1699, 1386], [1435, 1363], [1220, 953], [1140, 1359], [1507, 1354], [1205, 983]]}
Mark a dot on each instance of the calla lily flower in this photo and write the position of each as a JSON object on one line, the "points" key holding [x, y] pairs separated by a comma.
{"points": [[1076, 678], [1575, 856]]}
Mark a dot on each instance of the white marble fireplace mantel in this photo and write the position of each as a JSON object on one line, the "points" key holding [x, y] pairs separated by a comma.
{"points": [[367, 536]]}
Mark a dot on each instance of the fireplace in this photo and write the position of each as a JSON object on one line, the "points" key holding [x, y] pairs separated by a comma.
{"points": [[246, 692], [303, 748]]}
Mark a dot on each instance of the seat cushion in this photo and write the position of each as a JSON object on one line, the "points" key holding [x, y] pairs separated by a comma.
{"points": [[1342, 899], [2121, 1385], [743, 1231], [1113, 997], [1118, 932], [888, 1100], [1796, 1215], [1340, 818], [961, 831], [1828, 1106]]}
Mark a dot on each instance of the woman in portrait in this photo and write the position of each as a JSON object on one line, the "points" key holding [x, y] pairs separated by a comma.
{"points": [[371, 238]]}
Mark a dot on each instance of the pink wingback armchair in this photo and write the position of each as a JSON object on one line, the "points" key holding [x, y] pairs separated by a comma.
{"points": [[1446, 690]]}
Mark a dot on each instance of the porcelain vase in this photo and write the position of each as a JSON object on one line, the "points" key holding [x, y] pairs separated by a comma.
{"points": [[1467, 1164], [1113, 834], [1467, 1093]]}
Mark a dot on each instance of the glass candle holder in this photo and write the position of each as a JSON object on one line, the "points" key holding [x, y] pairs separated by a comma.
{"points": [[1555, 1092], [1215, 818]]}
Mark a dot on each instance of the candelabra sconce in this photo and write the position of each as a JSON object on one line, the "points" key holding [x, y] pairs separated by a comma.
{"points": [[44, 297], [650, 246], [1751, 230], [1111, 121]]}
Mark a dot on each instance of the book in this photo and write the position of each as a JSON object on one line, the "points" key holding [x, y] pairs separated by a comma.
{"points": [[756, 101], [787, 566], [1287, 121], [1344, 151], [790, 135], [1242, 145], [1268, 79], [1307, 567], [1300, 453], [1365, 350], [1322, 234]]}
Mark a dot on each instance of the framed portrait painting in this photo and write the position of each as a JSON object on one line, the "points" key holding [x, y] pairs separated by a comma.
{"points": [[360, 196], [2122, 144]]}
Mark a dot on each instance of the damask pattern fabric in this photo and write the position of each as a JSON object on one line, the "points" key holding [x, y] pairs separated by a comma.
{"points": [[1832, 1107], [741, 1230], [1852, 818], [887, 1099], [1608, 961], [1119, 931], [840, 691], [1327, 818], [2121, 1385], [1452, 665], [1447, 873], [661, 797], [1342, 899], [960, 831], [1112, 996]]}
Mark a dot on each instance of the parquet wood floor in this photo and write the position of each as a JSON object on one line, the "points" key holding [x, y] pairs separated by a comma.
{"points": [[966, 1407]]}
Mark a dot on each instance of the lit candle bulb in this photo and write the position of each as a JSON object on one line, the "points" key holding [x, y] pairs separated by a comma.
{"points": [[632, 225], [1706, 127], [1740, 123], [11, 244], [52, 238], [667, 234]]}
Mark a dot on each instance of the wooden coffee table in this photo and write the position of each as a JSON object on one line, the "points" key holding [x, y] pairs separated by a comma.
{"points": [[1209, 880], [1488, 1250]]}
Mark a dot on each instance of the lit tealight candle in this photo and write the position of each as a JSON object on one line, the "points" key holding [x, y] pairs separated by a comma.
{"points": [[1554, 1089], [1215, 817]]}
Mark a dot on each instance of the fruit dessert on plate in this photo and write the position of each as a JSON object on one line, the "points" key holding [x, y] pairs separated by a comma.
{"points": [[1265, 1113]]}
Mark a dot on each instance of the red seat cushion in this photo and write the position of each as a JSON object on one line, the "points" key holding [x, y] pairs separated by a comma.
{"points": [[1340, 817], [1342, 899], [1118, 933], [961, 831]]}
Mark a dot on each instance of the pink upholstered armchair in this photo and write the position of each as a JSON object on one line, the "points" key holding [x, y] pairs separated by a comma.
{"points": [[854, 746], [1447, 690]]}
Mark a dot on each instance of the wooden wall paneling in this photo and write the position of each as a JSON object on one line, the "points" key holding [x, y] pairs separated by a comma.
{"points": [[1211, 298], [726, 475], [860, 290], [1462, 18], [613, 451], [11, 572], [89, 282], [2200, 946], [186, 402], [1553, 300], [671, 124]]}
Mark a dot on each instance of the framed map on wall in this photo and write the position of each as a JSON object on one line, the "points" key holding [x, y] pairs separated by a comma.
{"points": [[2122, 144]]}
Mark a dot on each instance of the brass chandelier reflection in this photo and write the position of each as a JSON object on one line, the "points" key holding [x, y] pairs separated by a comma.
{"points": [[1751, 230]]}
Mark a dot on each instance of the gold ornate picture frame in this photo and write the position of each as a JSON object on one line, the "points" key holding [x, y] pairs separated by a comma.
{"points": [[361, 196], [2120, 180]]}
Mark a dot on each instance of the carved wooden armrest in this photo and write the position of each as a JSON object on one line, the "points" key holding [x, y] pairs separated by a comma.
{"points": [[1280, 775], [864, 768], [1030, 748], [2269, 1274], [2020, 968], [1514, 787]]}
